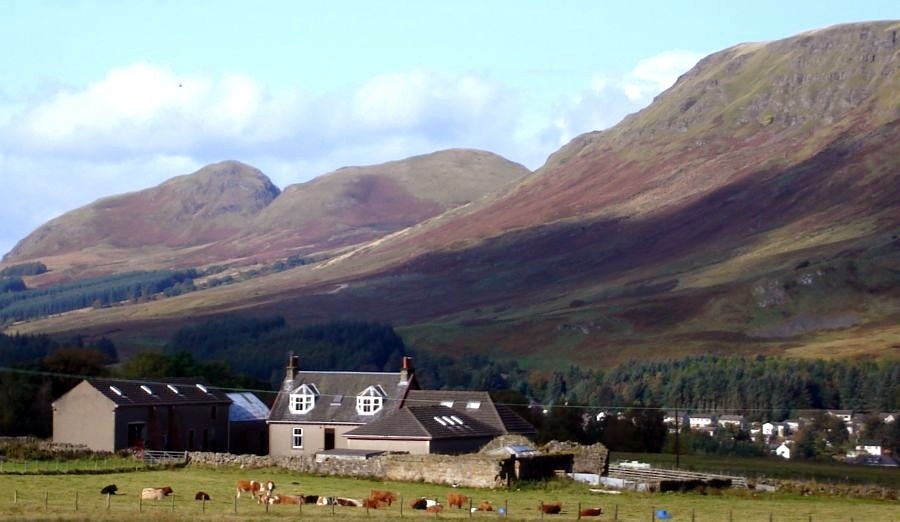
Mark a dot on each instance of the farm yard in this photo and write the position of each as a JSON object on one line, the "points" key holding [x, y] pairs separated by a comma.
{"points": [[77, 497]]}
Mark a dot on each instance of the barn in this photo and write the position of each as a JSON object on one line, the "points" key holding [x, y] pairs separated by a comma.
{"points": [[110, 415]]}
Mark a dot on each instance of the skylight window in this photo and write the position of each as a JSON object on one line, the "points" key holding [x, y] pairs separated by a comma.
{"points": [[116, 391], [448, 404], [202, 388], [440, 421], [473, 405], [457, 419], [147, 389], [172, 388], [336, 400]]}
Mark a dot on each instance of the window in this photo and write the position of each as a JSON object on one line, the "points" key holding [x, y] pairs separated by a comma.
{"points": [[303, 399], [297, 438], [370, 401]]}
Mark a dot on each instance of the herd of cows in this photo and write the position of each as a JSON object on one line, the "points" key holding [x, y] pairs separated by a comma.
{"points": [[264, 493]]}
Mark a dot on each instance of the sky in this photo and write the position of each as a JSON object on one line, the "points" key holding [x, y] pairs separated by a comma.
{"points": [[104, 97]]}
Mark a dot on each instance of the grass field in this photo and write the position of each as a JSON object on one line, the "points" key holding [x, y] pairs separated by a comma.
{"points": [[53, 497]]}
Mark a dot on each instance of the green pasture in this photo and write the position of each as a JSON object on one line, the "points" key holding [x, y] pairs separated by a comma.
{"points": [[87, 465], [77, 497]]}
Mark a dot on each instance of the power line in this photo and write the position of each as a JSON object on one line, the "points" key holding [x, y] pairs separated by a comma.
{"points": [[596, 408]]}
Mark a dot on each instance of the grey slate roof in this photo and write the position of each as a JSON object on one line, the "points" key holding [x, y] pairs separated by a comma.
{"points": [[246, 406], [421, 423], [336, 402], [162, 393], [498, 416]]}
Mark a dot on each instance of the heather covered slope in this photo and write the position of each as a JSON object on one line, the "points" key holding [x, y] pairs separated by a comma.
{"points": [[752, 208], [231, 213]]}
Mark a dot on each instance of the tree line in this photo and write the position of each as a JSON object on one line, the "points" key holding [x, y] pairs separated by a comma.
{"points": [[97, 291]]}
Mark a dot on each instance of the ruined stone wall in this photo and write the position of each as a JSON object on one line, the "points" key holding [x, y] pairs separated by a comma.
{"points": [[464, 470]]}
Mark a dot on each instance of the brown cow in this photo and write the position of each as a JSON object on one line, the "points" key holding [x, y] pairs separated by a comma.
{"points": [[456, 500], [372, 504], [344, 501], [435, 508], [485, 505], [254, 487], [591, 512], [388, 497], [550, 509], [201, 496], [155, 493]]}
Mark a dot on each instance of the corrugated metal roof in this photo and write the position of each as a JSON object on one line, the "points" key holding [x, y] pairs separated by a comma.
{"points": [[246, 406]]}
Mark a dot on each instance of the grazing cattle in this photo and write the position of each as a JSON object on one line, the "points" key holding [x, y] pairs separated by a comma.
{"points": [[324, 501], [435, 508], [344, 501], [284, 499], [155, 493], [109, 490], [372, 504], [484, 505], [388, 497], [419, 503], [255, 488], [456, 500], [591, 512], [550, 509], [201, 496]]}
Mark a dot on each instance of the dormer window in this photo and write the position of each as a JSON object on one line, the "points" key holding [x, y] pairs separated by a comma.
{"points": [[370, 401], [303, 399]]}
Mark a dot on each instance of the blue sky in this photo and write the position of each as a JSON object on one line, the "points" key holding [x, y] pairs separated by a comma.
{"points": [[99, 98]]}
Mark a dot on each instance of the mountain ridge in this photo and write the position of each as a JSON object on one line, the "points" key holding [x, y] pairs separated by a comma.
{"points": [[746, 211]]}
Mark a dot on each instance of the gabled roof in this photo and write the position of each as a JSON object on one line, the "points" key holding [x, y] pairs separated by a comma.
{"points": [[423, 423], [475, 404], [246, 406], [336, 402], [158, 393]]}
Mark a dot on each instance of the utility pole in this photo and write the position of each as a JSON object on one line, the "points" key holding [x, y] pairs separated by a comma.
{"points": [[677, 441]]}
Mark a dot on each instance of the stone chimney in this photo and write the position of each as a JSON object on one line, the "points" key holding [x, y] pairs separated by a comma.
{"points": [[293, 367], [406, 370]]}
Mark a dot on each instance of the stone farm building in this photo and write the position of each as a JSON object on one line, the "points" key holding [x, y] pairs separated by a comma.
{"points": [[110, 415], [381, 411]]}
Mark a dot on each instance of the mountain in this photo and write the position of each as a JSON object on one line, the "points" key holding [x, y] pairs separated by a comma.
{"points": [[231, 213], [752, 208]]}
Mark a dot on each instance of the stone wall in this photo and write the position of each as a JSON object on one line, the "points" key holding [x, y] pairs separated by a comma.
{"points": [[478, 470], [464, 470]]}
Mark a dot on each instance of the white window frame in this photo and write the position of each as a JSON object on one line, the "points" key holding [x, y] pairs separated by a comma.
{"points": [[369, 401], [297, 436], [303, 399]]}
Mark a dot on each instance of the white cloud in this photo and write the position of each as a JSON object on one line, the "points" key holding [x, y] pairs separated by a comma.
{"points": [[611, 97], [142, 124]]}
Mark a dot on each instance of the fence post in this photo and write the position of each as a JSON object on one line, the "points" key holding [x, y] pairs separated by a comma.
{"points": [[506, 508], [76, 501], [470, 507], [401, 506], [692, 514], [15, 496], [173, 501], [332, 508], [235, 504], [203, 506], [616, 512], [140, 504], [107, 501], [579, 512], [653, 514], [541, 507], [46, 497]]}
